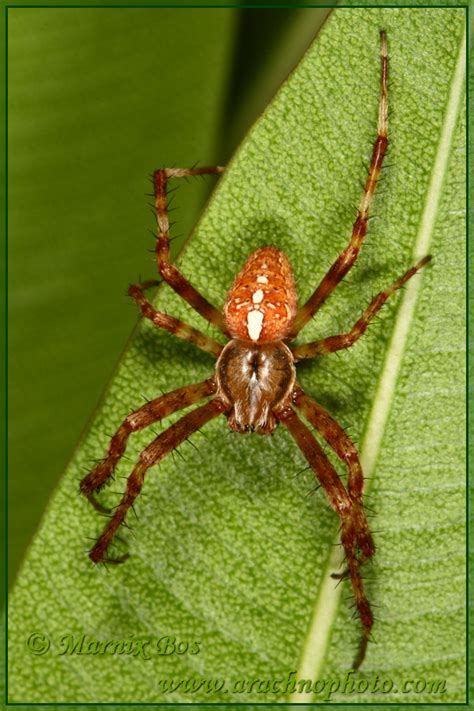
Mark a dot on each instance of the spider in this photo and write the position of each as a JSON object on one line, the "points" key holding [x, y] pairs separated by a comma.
{"points": [[254, 384]]}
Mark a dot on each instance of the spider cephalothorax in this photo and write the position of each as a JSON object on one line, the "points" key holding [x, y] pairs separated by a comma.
{"points": [[254, 384]]}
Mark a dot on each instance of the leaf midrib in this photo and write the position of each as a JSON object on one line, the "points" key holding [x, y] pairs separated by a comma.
{"points": [[327, 602]]}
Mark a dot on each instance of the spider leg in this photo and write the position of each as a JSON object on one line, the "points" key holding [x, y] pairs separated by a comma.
{"points": [[350, 512], [151, 455], [170, 323], [345, 340], [348, 256], [168, 271], [345, 449], [143, 417]]}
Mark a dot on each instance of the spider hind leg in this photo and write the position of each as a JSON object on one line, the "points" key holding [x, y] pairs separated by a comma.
{"points": [[343, 446], [146, 415], [165, 443], [355, 533]]}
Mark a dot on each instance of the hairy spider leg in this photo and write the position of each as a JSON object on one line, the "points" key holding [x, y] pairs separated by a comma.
{"points": [[153, 411], [166, 442], [168, 271], [348, 256], [170, 323], [350, 512], [346, 340], [345, 449]]}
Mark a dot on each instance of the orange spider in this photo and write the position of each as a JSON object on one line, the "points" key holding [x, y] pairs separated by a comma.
{"points": [[254, 384]]}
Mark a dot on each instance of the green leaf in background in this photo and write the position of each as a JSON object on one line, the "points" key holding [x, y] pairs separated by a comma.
{"points": [[93, 108], [269, 44], [228, 550], [67, 72]]}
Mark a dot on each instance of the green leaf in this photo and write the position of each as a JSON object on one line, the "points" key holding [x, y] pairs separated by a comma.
{"points": [[90, 115], [229, 551]]}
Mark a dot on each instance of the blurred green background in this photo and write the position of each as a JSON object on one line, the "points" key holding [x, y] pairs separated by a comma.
{"points": [[97, 99]]}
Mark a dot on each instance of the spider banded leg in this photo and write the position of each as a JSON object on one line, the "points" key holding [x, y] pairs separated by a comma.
{"points": [[345, 449], [151, 455], [153, 411], [348, 256], [168, 271], [170, 323], [345, 340], [350, 512]]}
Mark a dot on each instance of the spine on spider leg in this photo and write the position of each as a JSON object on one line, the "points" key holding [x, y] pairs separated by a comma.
{"points": [[165, 442], [104, 470], [363, 608], [160, 181], [348, 256], [173, 325], [346, 340], [354, 528], [378, 151], [153, 411], [168, 271], [337, 439], [380, 299], [350, 537]]}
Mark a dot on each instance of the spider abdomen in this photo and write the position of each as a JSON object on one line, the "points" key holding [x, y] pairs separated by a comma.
{"points": [[253, 380], [261, 304]]}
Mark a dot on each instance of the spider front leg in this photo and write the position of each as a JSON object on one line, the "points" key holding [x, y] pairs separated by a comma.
{"points": [[146, 415], [151, 455], [353, 521], [346, 340], [167, 270], [348, 256]]}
